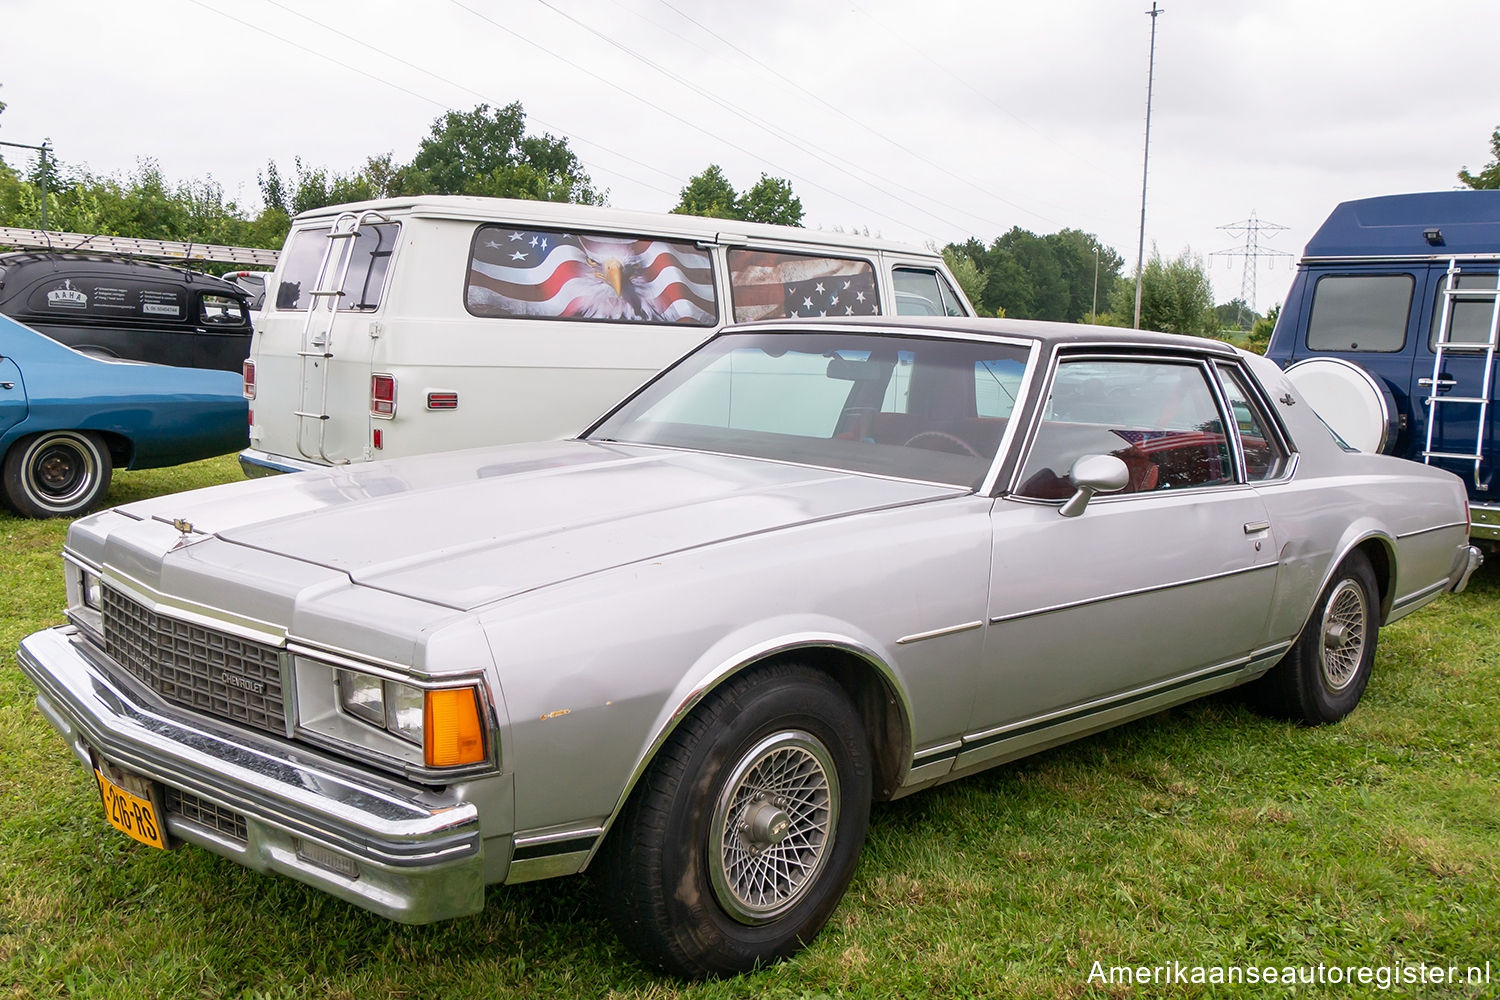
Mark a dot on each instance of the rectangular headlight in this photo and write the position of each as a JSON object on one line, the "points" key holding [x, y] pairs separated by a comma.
{"points": [[91, 590], [362, 696], [403, 707]]}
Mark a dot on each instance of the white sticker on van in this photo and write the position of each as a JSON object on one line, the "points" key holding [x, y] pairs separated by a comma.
{"points": [[67, 297]]}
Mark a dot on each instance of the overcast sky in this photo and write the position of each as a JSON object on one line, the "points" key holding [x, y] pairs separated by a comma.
{"points": [[930, 121]]}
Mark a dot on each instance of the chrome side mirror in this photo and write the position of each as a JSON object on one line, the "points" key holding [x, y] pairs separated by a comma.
{"points": [[1092, 474]]}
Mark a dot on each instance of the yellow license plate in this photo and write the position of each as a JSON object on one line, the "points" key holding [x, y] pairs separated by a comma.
{"points": [[132, 814]]}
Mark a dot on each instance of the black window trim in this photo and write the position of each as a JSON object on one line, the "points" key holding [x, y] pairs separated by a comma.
{"points": [[1262, 406]]}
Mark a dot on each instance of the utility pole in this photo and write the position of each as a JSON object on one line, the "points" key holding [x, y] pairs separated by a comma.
{"points": [[1140, 255], [1252, 251], [1094, 308], [42, 149]]}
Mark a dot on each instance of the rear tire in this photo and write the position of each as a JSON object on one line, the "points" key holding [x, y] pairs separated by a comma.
{"points": [[56, 473], [1323, 676], [740, 839]]}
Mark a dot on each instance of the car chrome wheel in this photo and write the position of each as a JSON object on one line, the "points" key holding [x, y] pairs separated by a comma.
{"points": [[773, 826], [56, 473], [1342, 644]]}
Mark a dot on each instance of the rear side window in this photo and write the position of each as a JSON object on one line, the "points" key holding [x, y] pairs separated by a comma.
{"points": [[1359, 312], [221, 310], [920, 292], [773, 284], [362, 285], [1265, 458], [107, 298], [1469, 325], [551, 274]]}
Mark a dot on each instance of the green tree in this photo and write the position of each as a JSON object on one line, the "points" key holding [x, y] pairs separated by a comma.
{"points": [[1260, 334], [1489, 178], [709, 194], [1041, 277], [966, 271], [487, 152], [1176, 297], [770, 200], [1235, 314]]}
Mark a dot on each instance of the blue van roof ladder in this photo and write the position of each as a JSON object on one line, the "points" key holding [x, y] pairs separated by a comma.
{"points": [[1452, 292]]}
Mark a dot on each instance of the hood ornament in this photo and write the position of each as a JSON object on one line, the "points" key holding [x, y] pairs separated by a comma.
{"points": [[183, 525]]}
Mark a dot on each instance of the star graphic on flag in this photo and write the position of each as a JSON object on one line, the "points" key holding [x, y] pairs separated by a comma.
{"points": [[493, 245], [518, 255], [517, 236]]}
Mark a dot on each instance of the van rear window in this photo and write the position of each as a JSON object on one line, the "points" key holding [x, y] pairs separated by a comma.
{"points": [[362, 285], [772, 284], [551, 274], [1360, 312], [107, 298], [1469, 319]]}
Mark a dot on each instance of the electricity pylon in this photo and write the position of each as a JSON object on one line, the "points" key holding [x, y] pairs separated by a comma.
{"points": [[1252, 251]]}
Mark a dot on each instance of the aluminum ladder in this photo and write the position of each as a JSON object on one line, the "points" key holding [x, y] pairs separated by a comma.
{"points": [[132, 246], [317, 347], [1451, 294]]}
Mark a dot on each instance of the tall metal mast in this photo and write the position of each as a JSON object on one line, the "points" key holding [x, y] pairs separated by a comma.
{"points": [[1140, 255]]}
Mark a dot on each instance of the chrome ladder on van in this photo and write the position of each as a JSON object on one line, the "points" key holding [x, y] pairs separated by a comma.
{"points": [[1435, 385], [343, 234]]}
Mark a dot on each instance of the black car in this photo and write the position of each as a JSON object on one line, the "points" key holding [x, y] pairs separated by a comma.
{"points": [[131, 309]]}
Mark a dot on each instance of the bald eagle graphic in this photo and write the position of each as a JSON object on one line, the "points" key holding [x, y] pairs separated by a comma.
{"points": [[569, 276]]}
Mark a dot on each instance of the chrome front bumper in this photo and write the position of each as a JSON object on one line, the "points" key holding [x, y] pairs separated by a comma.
{"points": [[406, 853]]}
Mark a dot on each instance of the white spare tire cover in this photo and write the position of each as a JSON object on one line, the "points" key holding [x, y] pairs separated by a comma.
{"points": [[1354, 403]]}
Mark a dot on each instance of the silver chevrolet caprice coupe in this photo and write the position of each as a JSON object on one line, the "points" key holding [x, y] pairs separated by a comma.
{"points": [[804, 569]]}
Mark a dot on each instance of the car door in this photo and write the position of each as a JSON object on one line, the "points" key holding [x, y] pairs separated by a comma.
{"points": [[1163, 585], [12, 395], [1466, 373]]}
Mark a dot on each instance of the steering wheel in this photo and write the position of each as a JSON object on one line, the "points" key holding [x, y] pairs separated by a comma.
{"points": [[943, 436]]}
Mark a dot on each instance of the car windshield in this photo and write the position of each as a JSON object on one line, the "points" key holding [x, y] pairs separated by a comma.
{"points": [[912, 407]]}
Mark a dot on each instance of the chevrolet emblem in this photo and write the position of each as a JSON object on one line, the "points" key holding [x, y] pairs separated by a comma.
{"points": [[183, 525]]}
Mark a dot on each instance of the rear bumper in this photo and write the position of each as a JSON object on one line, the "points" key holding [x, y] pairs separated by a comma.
{"points": [[257, 463], [407, 853], [1465, 563], [1486, 524]]}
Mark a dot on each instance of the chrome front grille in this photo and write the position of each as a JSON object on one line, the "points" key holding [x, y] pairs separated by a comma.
{"points": [[190, 807], [196, 667]]}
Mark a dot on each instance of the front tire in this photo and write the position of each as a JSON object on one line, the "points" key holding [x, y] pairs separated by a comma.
{"points": [[56, 473], [1323, 676], [744, 831]]}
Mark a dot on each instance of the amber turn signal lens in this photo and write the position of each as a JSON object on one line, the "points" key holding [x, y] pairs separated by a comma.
{"points": [[451, 728]]}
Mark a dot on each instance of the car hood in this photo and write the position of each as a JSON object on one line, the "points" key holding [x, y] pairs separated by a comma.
{"points": [[464, 529]]}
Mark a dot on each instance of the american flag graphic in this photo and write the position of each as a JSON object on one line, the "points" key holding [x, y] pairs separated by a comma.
{"points": [[524, 272], [1151, 442], [772, 285]]}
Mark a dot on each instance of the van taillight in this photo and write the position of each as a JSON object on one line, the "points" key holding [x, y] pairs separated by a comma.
{"points": [[382, 395], [248, 372]]}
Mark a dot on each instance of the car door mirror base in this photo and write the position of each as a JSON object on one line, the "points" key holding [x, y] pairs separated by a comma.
{"points": [[1092, 474]]}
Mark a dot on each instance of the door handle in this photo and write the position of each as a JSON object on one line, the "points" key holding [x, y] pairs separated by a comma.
{"points": [[7, 385], [1443, 382], [1256, 527]]}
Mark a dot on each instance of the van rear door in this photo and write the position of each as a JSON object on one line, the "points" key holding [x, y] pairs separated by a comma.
{"points": [[1371, 316], [1465, 375], [335, 276]]}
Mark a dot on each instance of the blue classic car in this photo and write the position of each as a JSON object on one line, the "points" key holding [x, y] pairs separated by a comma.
{"points": [[67, 420]]}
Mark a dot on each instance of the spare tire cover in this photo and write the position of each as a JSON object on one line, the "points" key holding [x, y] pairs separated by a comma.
{"points": [[1358, 406]]}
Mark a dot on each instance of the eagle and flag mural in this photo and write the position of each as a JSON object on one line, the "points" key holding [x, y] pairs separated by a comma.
{"points": [[552, 274]]}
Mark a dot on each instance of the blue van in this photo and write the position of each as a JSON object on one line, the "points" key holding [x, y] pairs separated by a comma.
{"points": [[1402, 293]]}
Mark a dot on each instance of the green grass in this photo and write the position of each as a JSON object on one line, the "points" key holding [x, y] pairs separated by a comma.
{"points": [[1205, 835]]}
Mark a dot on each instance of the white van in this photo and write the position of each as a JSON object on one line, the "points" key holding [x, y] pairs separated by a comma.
{"points": [[425, 324]]}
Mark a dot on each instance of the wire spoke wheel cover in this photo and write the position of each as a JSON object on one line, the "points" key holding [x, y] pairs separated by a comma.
{"points": [[773, 826], [1341, 644]]}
